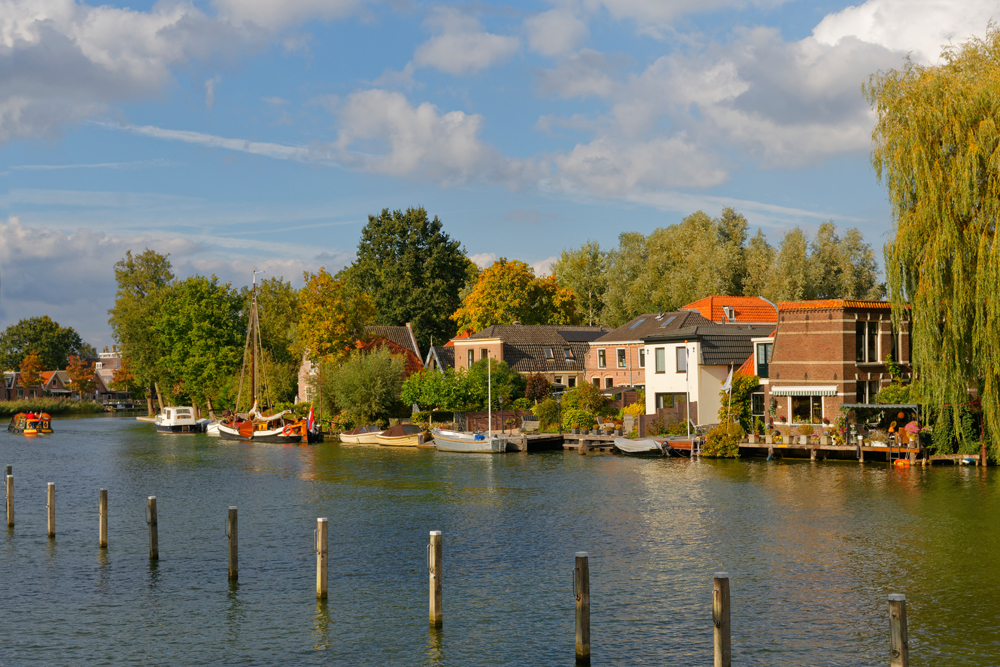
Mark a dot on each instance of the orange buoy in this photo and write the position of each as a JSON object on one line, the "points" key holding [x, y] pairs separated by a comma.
{"points": [[901, 463]]}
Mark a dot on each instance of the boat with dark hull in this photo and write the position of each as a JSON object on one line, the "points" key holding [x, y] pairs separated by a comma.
{"points": [[261, 424], [29, 424]]}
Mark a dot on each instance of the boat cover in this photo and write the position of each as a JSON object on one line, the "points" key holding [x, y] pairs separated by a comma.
{"points": [[400, 430]]}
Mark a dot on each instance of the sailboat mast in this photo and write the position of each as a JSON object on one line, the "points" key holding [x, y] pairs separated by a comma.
{"points": [[253, 343], [489, 392]]}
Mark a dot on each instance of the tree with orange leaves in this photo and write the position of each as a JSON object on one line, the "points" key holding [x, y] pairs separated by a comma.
{"points": [[332, 317], [31, 370], [509, 292], [81, 375]]}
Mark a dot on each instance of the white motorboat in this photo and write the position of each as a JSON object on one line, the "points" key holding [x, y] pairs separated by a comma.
{"points": [[362, 435], [644, 447], [457, 441], [177, 420]]}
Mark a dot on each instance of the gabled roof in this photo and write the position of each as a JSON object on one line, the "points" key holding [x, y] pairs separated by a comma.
{"points": [[825, 304], [402, 336], [748, 367], [540, 334], [747, 309], [540, 348], [721, 345], [443, 356], [651, 324]]}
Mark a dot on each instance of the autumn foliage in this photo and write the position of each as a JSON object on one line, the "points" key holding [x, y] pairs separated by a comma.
{"points": [[509, 292], [31, 370], [81, 375], [332, 316]]}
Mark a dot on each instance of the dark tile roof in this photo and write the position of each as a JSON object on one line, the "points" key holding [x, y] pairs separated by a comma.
{"points": [[445, 356], [524, 346], [653, 324], [720, 345], [398, 335]]}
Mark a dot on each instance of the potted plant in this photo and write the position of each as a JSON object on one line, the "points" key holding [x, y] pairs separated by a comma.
{"points": [[805, 431], [575, 429], [769, 437]]}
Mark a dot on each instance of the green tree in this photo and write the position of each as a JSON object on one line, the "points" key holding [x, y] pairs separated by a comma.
{"points": [[506, 382], [759, 256], [583, 271], [537, 387], [935, 143], [627, 294], [52, 343], [736, 405], [201, 336], [143, 282], [509, 292], [413, 272], [841, 267], [451, 390], [278, 314], [365, 385], [790, 275]]}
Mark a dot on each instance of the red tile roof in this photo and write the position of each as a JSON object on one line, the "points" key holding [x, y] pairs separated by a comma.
{"points": [[748, 367], [748, 308], [823, 304]]}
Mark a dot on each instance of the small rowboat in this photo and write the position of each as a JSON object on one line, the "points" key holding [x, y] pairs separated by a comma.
{"points": [[645, 447], [362, 435], [401, 435], [457, 441]]}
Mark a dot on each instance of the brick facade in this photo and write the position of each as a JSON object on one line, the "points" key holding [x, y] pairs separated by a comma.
{"points": [[631, 374], [817, 346]]}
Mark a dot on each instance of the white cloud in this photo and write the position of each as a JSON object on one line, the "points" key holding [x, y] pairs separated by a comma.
{"points": [[484, 259], [587, 73], [920, 27], [210, 85], [462, 47], [543, 267], [652, 16], [555, 32], [271, 14]]}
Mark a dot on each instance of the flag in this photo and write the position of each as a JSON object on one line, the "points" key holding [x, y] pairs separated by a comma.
{"points": [[729, 381], [311, 423]]}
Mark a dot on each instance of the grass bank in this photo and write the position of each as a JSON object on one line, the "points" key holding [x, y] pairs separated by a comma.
{"points": [[53, 406]]}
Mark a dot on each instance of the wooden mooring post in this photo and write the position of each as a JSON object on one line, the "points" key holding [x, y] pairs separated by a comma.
{"points": [[581, 591], [322, 555], [10, 498], [232, 532], [899, 650], [435, 554], [720, 618], [154, 531], [50, 506], [102, 519]]}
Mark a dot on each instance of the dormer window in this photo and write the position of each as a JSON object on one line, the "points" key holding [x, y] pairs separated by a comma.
{"points": [[568, 353], [730, 313], [548, 353]]}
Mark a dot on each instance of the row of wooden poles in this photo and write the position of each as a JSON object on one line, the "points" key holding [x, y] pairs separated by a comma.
{"points": [[898, 640]]}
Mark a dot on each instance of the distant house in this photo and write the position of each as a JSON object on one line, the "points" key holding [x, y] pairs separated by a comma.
{"points": [[54, 384], [830, 352], [400, 342], [440, 357], [736, 310], [687, 366], [556, 352]]}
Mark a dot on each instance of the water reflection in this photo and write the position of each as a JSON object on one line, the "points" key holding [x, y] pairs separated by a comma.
{"points": [[235, 614], [322, 624], [435, 655], [154, 574], [103, 571]]}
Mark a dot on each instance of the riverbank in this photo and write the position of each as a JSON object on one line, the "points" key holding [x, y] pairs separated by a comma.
{"points": [[53, 406]]}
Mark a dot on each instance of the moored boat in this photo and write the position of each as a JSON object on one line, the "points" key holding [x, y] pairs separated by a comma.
{"points": [[457, 441], [644, 447], [401, 435], [361, 435], [177, 420]]}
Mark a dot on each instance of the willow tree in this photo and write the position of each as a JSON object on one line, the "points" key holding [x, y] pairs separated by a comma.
{"points": [[936, 146]]}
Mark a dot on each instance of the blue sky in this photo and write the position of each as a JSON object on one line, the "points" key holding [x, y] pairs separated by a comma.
{"points": [[242, 133]]}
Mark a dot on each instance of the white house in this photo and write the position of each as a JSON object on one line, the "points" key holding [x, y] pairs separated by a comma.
{"points": [[686, 368]]}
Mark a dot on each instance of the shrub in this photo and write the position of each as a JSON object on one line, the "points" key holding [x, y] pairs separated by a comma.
{"points": [[585, 397], [547, 412], [522, 404], [636, 409], [537, 388], [806, 429], [723, 441], [52, 406], [581, 418]]}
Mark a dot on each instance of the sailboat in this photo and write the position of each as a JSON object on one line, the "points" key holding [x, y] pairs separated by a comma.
{"points": [[457, 441], [259, 424]]}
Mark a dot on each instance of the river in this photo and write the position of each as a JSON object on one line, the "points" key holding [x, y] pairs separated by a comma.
{"points": [[812, 548]]}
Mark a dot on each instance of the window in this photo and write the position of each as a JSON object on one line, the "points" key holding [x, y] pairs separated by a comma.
{"points": [[661, 360], [763, 358], [867, 389], [609, 383], [548, 353], [596, 382], [642, 357], [472, 358], [602, 359], [670, 400], [568, 353], [621, 358], [483, 353], [894, 351], [638, 322], [757, 405], [866, 342], [558, 379], [807, 409], [682, 359], [572, 382], [669, 320]]}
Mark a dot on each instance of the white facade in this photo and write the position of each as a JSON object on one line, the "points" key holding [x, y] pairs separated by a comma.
{"points": [[664, 388]]}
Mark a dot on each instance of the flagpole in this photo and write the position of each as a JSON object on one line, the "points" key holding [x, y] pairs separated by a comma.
{"points": [[687, 387], [729, 403]]}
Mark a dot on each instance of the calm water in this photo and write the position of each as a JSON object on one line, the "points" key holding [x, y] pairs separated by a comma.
{"points": [[812, 549]]}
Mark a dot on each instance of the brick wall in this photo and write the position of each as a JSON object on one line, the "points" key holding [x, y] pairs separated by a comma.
{"points": [[631, 375]]}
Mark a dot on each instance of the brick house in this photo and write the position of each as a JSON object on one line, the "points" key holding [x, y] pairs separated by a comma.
{"points": [[830, 352], [400, 341], [618, 358], [557, 352]]}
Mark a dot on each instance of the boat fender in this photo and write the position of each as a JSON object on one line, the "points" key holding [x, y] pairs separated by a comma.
{"points": [[480, 436], [288, 430]]}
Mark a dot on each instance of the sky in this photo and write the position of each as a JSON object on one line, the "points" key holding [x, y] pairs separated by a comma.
{"points": [[236, 134]]}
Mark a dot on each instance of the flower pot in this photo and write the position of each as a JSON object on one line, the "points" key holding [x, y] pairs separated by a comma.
{"points": [[803, 439], [618, 432], [824, 440], [752, 439], [769, 439], [575, 431]]}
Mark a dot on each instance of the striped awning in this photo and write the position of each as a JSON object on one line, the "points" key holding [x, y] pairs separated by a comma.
{"points": [[827, 390]]}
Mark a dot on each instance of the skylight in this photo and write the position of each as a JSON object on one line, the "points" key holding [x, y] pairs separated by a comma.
{"points": [[568, 352], [669, 320], [548, 353], [640, 321]]}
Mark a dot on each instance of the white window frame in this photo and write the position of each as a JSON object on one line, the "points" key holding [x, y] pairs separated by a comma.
{"points": [[659, 360], [602, 358], [677, 358], [621, 356]]}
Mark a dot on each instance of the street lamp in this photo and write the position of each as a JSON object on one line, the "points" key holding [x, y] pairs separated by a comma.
{"points": [[559, 410], [501, 414]]}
